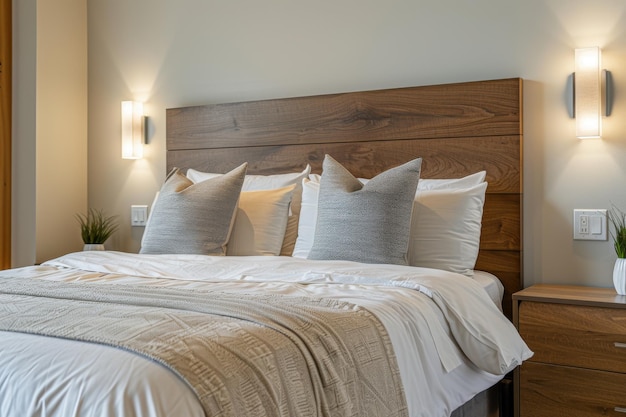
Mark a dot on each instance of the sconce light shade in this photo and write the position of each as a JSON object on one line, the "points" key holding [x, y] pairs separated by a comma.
{"points": [[132, 130], [588, 93]]}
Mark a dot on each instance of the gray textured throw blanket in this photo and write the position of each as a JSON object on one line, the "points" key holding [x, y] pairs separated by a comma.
{"points": [[265, 355]]}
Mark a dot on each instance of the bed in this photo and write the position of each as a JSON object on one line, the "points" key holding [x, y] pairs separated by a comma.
{"points": [[287, 326]]}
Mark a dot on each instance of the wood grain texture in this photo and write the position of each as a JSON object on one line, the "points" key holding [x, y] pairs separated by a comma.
{"points": [[442, 158], [501, 222], [457, 129], [574, 335], [573, 294], [577, 368], [444, 111], [549, 391], [5, 132]]}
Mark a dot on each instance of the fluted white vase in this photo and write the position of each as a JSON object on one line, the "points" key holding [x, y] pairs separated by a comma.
{"points": [[619, 276]]}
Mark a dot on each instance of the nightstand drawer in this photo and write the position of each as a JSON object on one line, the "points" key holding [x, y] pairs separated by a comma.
{"points": [[575, 335], [549, 391]]}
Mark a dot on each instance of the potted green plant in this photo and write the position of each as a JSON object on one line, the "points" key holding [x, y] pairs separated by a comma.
{"points": [[617, 218], [96, 228]]}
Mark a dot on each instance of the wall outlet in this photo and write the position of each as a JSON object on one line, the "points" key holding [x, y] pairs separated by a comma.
{"points": [[590, 224]]}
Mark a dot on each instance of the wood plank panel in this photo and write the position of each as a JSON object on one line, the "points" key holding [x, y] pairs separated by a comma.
{"points": [[5, 132], [484, 108], [501, 222], [501, 219], [548, 391], [453, 158]]}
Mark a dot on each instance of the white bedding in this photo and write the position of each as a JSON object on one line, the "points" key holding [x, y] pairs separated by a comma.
{"points": [[492, 286], [436, 321]]}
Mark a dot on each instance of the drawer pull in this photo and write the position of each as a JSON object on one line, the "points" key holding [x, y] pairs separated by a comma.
{"points": [[620, 345], [620, 410]]}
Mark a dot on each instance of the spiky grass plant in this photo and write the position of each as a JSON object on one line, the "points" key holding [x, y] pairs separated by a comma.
{"points": [[96, 227], [617, 218]]}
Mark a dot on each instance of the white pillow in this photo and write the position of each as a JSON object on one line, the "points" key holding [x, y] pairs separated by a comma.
{"points": [[308, 218], [270, 182], [452, 183], [445, 228], [435, 228], [261, 221]]}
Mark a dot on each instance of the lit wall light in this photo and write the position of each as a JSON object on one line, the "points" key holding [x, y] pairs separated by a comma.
{"points": [[592, 92], [133, 129]]}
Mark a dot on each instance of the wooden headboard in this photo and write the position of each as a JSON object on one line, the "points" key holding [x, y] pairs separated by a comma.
{"points": [[457, 129]]}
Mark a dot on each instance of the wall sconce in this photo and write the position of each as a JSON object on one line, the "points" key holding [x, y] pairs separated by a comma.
{"points": [[133, 130], [592, 93]]}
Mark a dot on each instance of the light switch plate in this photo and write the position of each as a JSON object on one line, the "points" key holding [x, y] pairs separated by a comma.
{"points": [[590, 224], [138, 215]]}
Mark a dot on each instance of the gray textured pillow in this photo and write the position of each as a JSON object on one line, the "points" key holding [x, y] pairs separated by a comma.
{"points": [[365, 223], [193, 218]]}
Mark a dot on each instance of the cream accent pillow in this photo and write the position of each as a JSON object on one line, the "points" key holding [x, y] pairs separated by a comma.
{"points": [[269, 182], [365, 223], [445, 228], [189, 218], [260, 222]]}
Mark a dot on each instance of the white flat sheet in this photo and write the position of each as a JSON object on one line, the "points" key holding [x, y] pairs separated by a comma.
{"points": [[435, 326], [49, 377]]}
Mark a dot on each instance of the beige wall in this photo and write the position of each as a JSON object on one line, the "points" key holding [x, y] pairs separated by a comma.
{"points": [[50, 136], [61, 125], [185, 52]]}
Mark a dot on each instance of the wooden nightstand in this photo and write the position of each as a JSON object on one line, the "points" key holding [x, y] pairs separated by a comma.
{"points": [[578, 335]]}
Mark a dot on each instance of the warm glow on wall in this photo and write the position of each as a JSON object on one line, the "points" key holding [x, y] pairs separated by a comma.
{"points": [[132, 129]]}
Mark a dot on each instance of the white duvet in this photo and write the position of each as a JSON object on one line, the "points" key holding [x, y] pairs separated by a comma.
{"points": [[450, 339]]}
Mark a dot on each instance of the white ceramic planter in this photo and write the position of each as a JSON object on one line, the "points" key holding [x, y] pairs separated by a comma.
{"points": [[93, 246], [619, 276]]}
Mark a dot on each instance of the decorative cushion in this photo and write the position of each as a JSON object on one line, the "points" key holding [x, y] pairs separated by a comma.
{"points": [[269, 182], [260, 222], [445, 225], [190, 218], [365, 223]]}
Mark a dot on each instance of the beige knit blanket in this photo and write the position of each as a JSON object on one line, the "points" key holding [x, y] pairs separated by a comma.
{"points": [[242, 354]]}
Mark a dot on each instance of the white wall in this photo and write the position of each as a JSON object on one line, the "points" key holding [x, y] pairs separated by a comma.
{"points": [[186, 52]]}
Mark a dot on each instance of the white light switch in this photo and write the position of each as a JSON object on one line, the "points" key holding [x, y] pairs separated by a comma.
{"points": [[595, 225], [590, 224], [138, 215]]}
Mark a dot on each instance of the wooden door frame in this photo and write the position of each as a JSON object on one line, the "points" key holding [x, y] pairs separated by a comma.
{"points": [[6, 30]]}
